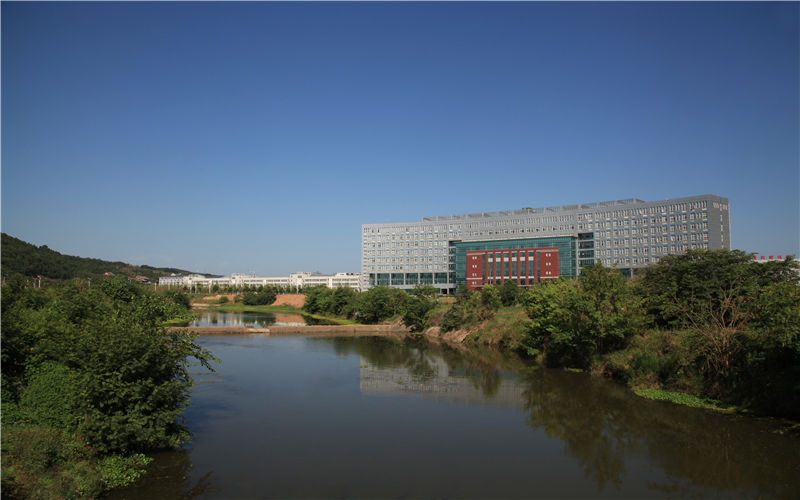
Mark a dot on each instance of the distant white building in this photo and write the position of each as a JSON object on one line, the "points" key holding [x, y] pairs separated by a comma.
{"points": [[763, 258], [294, 280]]}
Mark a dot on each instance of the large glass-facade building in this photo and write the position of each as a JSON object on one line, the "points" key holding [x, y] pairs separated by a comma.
{"points": [[629, 234]]}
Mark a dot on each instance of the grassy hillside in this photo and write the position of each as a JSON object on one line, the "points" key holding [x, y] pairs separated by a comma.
{"points": [[23, 258]]}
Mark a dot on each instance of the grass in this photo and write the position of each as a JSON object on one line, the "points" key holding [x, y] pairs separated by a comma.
{"points": [[179, 321], [684, 399], [282, 309], [507, 328]]}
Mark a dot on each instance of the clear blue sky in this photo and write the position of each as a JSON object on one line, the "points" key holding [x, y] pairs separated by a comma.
{"points": [[258, 137]]}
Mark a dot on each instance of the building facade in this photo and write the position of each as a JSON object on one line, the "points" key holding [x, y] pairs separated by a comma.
{"points": [[294, 280], [629, 234]]}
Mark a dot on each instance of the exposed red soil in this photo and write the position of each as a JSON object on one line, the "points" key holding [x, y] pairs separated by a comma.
{"points": [[290, 299]]}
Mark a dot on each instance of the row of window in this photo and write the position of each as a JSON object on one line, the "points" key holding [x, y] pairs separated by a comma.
{"points": [[409, 278]]}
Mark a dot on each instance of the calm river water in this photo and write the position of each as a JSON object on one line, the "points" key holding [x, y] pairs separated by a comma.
{"points": [[254, 319], [374, 417]]}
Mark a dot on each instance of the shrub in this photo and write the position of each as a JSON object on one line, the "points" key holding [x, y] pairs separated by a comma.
{"points": [[453, 318], [52, 397], [92, 363], [117, 471], [573, 320], [181, 299], [263, 298], [39, 462], [490, 298], [509, 293], [415, 312], [379, 303], [656, 359]]}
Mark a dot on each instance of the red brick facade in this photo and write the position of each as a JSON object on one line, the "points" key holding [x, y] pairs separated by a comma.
{"points": [[524, 265]]}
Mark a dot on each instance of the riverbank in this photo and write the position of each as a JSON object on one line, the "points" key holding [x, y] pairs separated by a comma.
{"points": [[505, 331], [298, 331]]}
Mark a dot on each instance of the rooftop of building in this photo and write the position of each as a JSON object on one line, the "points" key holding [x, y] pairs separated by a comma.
{"points": [[542, 210], [554, 209]]}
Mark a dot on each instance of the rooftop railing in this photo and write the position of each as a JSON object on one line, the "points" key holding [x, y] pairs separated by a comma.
{"points": [[528, 210]]}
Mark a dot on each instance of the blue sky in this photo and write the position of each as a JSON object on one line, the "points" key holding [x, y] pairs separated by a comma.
{"points": [[258, 137]]}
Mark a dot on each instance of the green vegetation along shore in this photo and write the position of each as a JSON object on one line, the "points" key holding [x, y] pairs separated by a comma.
{"points": [[91, 383], [710, 324]]}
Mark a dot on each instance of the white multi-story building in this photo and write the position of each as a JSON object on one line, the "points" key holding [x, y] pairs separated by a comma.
{"points": [[294, 280], [628, 234]]}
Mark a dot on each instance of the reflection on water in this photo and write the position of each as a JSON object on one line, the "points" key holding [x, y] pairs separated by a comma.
{"points": [[602, 425], [380, 418], [444, 374], [170, 476], [252, 319]]}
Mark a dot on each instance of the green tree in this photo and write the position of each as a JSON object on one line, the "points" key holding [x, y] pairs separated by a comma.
{"points": [[680, 287], [509, 293], [453, 318], [317, 299], [426, 291], [378, 304], [88, 373], [490, 298], [573, 320], [181, 299], [342, 301], [264, 298], [740, 317], [418, 307], [463, 294]]}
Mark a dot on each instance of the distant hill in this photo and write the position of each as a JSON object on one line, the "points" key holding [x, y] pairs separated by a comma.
{"points": [[18, 256]]}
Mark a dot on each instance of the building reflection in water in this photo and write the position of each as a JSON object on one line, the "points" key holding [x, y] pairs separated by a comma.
{"points": [[431, 378]]}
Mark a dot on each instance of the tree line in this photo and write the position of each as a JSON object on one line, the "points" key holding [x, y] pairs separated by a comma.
{"points": [[20, 257], [711, 323], [375, 305]]}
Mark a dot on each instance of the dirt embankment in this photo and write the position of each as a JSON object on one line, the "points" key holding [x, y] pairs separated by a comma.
{"points": [[455, 336], [290, 299], [213, 299], [507, 327]]}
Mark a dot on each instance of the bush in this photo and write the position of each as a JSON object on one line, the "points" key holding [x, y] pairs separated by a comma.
{"points": [[743, 322], [378, 304], [657, 359], [52, 397], [453, 318], [181, 299], [263, 298], [88, 373], [490, 298], [509, 293], [574, 320], [39, 462], [117, 471], [418, 307]]}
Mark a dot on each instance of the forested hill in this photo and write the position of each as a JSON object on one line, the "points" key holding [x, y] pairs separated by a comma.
{"points": [[24, 258]]}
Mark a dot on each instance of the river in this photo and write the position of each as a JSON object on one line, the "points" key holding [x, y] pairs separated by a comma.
{"points": [[254, 319], [374, 417]]}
